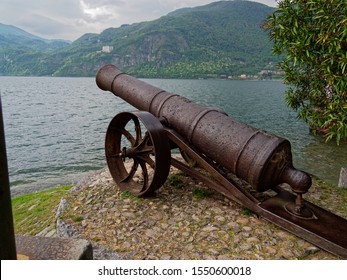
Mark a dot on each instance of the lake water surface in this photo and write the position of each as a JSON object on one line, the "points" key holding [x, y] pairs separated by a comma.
{"points": [[55, 127]]}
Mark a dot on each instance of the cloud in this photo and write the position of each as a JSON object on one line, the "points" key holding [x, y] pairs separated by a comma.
{"points": [[44, 26], [98, 10], [70, 19], [41, 17]]}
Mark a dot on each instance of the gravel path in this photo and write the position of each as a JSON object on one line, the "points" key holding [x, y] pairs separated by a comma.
{"points": [[184, 222]]}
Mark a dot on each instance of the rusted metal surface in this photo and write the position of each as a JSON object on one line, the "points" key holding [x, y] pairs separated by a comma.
{"points": [[316, 224], [262, 159], [216, 143], [141, 174]]}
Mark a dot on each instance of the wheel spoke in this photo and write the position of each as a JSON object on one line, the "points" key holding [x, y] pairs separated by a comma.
{"points": [[146, 142], [138, 132], [148, 160], [144, 150], [131, 173], [145, 175], [127, 135], [145, 147]]}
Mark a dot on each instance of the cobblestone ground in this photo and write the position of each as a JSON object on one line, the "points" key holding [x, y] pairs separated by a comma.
{"points": [[188, 221]]}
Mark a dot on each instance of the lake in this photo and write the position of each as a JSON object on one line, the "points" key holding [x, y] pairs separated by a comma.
{"points": [[55, 127]]}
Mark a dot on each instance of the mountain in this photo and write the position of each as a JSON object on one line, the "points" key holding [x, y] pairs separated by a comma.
{"points": [[14, 36], [221, 38], [22, 53], [10, 30]]}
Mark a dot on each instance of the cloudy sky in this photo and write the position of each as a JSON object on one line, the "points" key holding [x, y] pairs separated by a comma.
{"points": [[70, 19]]}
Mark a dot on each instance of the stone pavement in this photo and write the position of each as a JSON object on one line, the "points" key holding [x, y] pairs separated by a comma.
{"points": [[178, 224]]}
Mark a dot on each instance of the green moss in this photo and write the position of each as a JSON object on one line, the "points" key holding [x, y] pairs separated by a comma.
{"points": [[247, 212], [126, 194], [176, 180], [34, 212], [200, 193], [78, 219]]}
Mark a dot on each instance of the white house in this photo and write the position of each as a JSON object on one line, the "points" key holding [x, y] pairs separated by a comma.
{"points": [[107, 49]]}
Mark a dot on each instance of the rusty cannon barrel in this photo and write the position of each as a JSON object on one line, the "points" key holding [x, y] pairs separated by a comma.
{"points": [[258, 157]]}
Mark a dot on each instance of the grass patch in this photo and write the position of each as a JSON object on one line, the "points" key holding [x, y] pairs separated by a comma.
{"points": [[176, 180], [247, 212], [32, 213], [126, 194], [78, 219], [200, 193]]}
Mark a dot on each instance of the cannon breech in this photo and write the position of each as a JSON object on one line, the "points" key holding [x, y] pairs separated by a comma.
{"points": [[235, 156]]}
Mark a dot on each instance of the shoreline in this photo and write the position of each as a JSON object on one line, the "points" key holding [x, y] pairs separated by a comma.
{"points": [[51, 183]]}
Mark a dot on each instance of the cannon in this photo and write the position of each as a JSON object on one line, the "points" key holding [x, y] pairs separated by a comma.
{"points": [[233, 158]]}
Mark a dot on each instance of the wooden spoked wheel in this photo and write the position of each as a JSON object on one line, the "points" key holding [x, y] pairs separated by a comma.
{"points": [[137, 152]]}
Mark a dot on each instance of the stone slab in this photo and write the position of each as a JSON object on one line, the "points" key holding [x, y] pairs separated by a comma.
{"points": [[343, 178], [53, 248]]}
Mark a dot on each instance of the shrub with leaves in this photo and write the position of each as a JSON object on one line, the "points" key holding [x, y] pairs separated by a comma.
{"points": [[312, 35]]}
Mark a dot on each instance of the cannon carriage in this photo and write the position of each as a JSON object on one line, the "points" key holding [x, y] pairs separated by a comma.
{"points": [[225, 149]]}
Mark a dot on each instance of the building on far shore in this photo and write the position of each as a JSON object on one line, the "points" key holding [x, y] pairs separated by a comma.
{"points": [[106, 49]]}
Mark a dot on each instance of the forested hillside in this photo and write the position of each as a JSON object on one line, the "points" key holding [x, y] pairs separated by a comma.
{"points": [[222, 38]]}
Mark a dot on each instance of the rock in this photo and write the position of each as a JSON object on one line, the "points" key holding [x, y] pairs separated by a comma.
{"points": [[209, 228], [243, 220], [53, 248], [343, 178], [189, 247], [165, 257], [247, 229], [64, 230], [150, 233], [271, 250], [48, 232], [104, 253], [220, 219], [213, 251], [253, 240], [127, 244], [223, 257], [246, 247], [311, 250]]}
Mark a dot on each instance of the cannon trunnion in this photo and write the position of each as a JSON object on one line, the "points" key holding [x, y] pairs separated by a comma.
{"points": [[138, 152]]}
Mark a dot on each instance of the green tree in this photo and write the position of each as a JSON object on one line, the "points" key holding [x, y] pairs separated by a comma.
{"points": [[312, 35]]}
